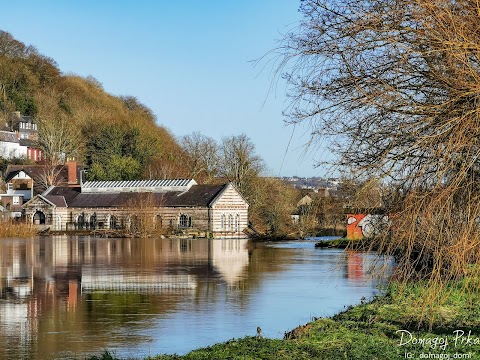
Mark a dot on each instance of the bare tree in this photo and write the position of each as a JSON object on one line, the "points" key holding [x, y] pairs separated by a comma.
{"points": [[58, 139], [48, 176], [145, 219], [239, 163], [395, 85], [201, 155]]}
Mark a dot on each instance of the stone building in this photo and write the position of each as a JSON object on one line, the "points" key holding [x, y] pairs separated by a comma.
{"points": [[173, 205]]}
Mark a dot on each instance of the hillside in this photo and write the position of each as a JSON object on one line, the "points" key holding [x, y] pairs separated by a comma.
{"points": [[116, 137]]}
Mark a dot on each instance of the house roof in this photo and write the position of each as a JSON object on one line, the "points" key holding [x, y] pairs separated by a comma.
{"points": [[29, 143], [27, 119], [197, 195], [56, 200], [137, 186], [36, 172], [8, 136]]}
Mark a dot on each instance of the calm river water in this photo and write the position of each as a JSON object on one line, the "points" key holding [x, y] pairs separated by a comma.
{"points": [[74, 296]]}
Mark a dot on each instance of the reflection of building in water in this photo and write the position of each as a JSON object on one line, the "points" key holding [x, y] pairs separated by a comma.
{"points": [[16, 270], [230, 258], [45, 283], [57, 264], [94, 279], [355, 268], [16, 322]]}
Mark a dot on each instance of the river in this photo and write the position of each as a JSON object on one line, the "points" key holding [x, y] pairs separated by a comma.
{"points": [[76, 296]]}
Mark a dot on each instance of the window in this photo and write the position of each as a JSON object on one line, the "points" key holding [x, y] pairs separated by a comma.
{"points": [[230, 222], [113, 222], [93, 221], [224, 222], [16, 200], [237, 222], [80, 221], [158, 222], [185, 221]]}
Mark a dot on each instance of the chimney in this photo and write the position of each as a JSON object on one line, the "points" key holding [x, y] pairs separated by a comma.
{"points": [[72, 171]]}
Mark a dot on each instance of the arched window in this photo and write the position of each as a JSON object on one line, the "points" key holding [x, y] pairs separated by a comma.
{"points": [[80, 221], [93, 221], [58, 225], [158, 221], [113, 222], [39, 218], [224, 222], [230, 222], [237, 223], [184, 221]]}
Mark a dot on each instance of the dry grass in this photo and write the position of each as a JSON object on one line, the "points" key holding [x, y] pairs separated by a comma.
{"points": [[14, 229]]}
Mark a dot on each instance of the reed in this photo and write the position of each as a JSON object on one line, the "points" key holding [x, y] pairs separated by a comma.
{"points": [[14, 229]]}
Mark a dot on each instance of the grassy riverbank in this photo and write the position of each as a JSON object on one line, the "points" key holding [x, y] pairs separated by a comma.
{"points": [[372, 331]]}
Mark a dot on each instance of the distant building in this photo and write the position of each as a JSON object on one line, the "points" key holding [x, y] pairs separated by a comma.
{"points": [[10, 146], [11, 203], [19, 138], [313, 183], [30, 180], [24, 126]]}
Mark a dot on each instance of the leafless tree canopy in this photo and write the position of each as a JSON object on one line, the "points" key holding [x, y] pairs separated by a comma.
{"points": [[59, 140], [239, 163], [201, 155], [396, 85], [397, 80]]}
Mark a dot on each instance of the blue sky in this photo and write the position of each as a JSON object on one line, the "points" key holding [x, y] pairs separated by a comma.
{"points": [[189, 61]]}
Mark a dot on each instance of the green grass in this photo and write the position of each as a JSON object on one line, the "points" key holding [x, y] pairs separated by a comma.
{"points": [[369, 330], [340, 243]]}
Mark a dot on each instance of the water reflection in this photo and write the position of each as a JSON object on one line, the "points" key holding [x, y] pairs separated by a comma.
{"points": [[74, 296], [355, 269]]}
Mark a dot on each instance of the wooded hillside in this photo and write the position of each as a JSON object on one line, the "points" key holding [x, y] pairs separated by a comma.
{"points": [[116, 137]]}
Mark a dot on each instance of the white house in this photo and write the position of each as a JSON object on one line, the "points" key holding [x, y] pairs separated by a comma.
{"points": [[10, 146]]}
